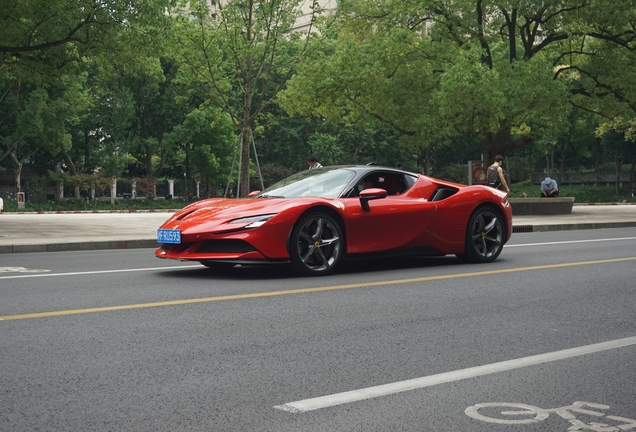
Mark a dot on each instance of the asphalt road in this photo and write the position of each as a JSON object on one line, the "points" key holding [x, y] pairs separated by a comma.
{"points": [[119, 340]]}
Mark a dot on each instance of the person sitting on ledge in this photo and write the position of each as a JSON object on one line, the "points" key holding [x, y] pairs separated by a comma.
{"points": [[549, 188]]}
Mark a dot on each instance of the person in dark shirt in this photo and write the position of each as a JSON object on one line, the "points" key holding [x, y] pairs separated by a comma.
{"points": [[495, 175]]}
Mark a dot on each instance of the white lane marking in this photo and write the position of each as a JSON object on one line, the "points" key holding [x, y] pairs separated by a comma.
{"points": [[442, 378], [570, 241], [21, 270], [102, 272]]}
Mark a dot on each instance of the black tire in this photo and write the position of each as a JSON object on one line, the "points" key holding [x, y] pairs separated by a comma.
{"points": [[217, 265], [316, 245], [485, 236]]}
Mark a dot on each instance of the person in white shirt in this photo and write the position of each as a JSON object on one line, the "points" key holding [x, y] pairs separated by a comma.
{"points": [[313, 162]]}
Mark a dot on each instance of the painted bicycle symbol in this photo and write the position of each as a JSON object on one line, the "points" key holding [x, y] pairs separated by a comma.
{"points": [[527, 414]]}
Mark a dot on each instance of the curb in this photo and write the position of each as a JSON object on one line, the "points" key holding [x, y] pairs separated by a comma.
{"points": [[571, 227], [95, 211], [605, 203], [80, 246]]}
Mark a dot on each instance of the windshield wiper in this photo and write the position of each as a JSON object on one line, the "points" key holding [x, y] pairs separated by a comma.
{"points": [[270, 196]]}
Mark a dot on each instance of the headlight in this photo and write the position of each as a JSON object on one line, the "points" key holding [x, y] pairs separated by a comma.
{"points": [[253, 221]]}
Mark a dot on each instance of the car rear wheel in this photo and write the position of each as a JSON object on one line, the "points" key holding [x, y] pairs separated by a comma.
{"points": [[316, 244], [484, 236]]}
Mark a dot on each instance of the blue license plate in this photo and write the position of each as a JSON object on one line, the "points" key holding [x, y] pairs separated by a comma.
{"points": [[169, 236]]}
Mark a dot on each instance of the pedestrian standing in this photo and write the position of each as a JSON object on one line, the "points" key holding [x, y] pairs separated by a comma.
{"points": [[495, 175]]}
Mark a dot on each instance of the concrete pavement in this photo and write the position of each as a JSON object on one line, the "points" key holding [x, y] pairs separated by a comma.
{"points": [[51, 232]]}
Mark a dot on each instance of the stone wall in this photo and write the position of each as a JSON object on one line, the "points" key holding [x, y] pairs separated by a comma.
{"points": [[605, 179], [541, 206]]}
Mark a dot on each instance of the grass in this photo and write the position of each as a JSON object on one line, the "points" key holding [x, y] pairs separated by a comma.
{"points": [[581, 193]]}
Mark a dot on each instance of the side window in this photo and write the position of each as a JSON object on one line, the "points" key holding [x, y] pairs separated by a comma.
{"points": [[393, 183], [367, 182]]}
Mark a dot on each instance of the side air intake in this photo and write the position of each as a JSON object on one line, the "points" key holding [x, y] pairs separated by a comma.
{"points": [[442, 193]]}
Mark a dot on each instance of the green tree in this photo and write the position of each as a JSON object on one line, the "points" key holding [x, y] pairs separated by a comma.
{"points": [[241, 55], [45, 36], [139, 111], [38, 119], [44, 41], [503, 70], [204, 154]]}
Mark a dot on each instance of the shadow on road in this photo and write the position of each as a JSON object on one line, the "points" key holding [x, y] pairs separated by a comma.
{"points": [[286, 271]]}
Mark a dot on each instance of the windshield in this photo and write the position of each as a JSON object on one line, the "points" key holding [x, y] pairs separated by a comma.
{"points": [[321, 182]]}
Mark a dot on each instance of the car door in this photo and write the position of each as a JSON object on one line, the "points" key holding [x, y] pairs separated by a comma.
{"points": [[394, 222]]}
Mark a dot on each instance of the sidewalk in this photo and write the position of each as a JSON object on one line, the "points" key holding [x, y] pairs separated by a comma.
{"points": [[51, 232]]}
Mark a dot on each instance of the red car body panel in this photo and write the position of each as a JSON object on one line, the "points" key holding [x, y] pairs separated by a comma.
{"points": [[397, 222]]}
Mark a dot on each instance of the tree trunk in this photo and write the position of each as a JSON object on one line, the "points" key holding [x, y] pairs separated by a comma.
{"points": [[618, 179], [499, 143], [245, 163], [596, 161], [618, 162], [17, 171], [576, 156], [530, 164], [564, 153]]}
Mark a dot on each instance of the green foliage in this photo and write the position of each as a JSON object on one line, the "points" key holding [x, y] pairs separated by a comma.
{"points": [[240, 57], [272, 173], [83, 182], [141, 93], [419, 69], [326, 147], [37, 189], [457, 173], [43, 37]]}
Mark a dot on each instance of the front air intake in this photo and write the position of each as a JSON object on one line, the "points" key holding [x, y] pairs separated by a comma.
{"points": [[225, 246]]}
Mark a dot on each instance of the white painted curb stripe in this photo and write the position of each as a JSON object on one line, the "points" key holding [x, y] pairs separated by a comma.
{"points": [[432, 380]]}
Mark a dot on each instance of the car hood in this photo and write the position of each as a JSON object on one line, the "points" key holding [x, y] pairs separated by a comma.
{"points": [[215, 213]]}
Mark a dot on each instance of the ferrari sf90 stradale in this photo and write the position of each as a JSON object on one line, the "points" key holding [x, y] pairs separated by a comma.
{"points": [[317, 218]]}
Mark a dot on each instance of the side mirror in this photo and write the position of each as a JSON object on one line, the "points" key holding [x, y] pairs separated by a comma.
{"points": [[253, 193], [371, 194]]}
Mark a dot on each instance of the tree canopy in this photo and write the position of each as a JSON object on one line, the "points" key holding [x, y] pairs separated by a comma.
{"points": [[165, 88], [241, 56], [505, 70]]}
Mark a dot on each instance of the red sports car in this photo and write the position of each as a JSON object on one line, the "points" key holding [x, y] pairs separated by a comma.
{"points": [[317, 218]]}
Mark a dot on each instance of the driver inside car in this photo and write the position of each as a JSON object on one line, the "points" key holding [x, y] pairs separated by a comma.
{"points": [[364, 184]]}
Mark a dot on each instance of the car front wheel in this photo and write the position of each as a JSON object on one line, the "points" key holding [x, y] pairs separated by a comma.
{"points": [[316, 244], [484, 236]]}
